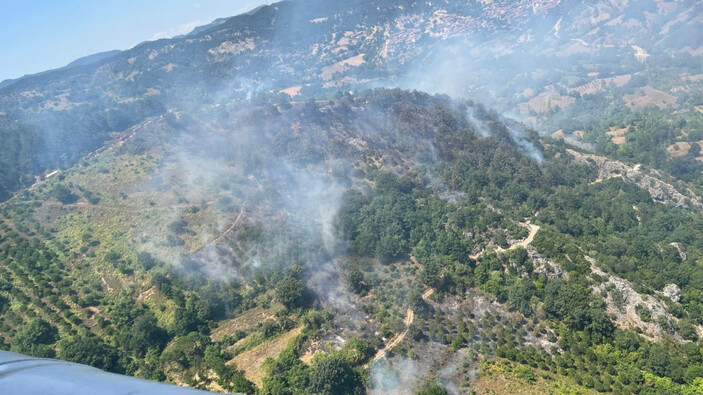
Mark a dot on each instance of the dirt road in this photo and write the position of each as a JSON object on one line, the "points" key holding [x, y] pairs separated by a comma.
{"points": [[528, 240], [409, 318], [242, 212], [522, 243]]}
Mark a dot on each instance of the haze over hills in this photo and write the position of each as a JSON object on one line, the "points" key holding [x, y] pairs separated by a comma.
{"points": [[528, 60], [250, 208]]}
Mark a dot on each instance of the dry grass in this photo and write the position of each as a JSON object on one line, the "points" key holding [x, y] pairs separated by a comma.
{"points": [[341, 66], [252, 361], [558, 135], [679, 148], [618, 135], [498, 379], [546, 101], [309, 354], [599, 84], [575, 138], [247, 320]]}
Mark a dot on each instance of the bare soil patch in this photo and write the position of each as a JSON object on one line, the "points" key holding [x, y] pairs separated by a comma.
{"points": [[292, 91], [617, 136], [679, 148], [341, 66], [649, 97]]}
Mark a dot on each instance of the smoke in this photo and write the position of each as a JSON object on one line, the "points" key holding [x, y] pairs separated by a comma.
{"points": [[491, 66], [477, 125], [397, 377], [516, 132]]}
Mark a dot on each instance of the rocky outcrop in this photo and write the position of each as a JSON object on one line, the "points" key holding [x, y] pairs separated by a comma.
{"points": [[651, 180], [548, 267], [682, 253], [672, 292], [622, 300]]}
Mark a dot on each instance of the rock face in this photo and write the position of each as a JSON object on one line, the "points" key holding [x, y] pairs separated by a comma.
{"points": [[622, 301], [659, 190], [672, 292], [682, 253]]}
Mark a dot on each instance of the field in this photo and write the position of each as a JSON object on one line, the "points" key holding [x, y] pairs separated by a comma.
{"points": [[545, 102], [649, 96]]}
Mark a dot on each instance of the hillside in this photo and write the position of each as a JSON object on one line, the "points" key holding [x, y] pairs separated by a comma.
{"points": [[245, 209], [589, 54], [397, 211]]}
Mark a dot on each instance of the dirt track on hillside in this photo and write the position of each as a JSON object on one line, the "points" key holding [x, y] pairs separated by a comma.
{"points": [[409, 318]]}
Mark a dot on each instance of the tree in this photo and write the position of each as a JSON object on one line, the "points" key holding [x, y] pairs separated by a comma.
{"points": [[192, 317], [229, 377], [178, 227], [64, 195], [357, 350], [35, 338], [519, 295], [355, 280], [330, 374], [292, 293], [90, 350], [568, 302], [287, 374], [146, 260], [145, 334], [123, 312]]}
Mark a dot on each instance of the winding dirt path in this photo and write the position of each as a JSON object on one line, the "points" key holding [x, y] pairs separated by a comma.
{"points": [[523, 243], [530, 237], [409, 318], [234, 225], [242, 212], [109, 289]]}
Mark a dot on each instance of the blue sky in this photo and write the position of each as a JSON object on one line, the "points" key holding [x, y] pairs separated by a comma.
{"points": [[38, 35]]}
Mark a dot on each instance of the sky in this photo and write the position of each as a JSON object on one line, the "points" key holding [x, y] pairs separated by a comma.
{"points": [[39, 35]]}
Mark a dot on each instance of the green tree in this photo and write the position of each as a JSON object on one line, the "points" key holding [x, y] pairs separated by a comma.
{"points": [[145, 334], [292, 293], [355, 280], [330, 374], [90, 350], [520, 294], [64, 195], [35, 338]]}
